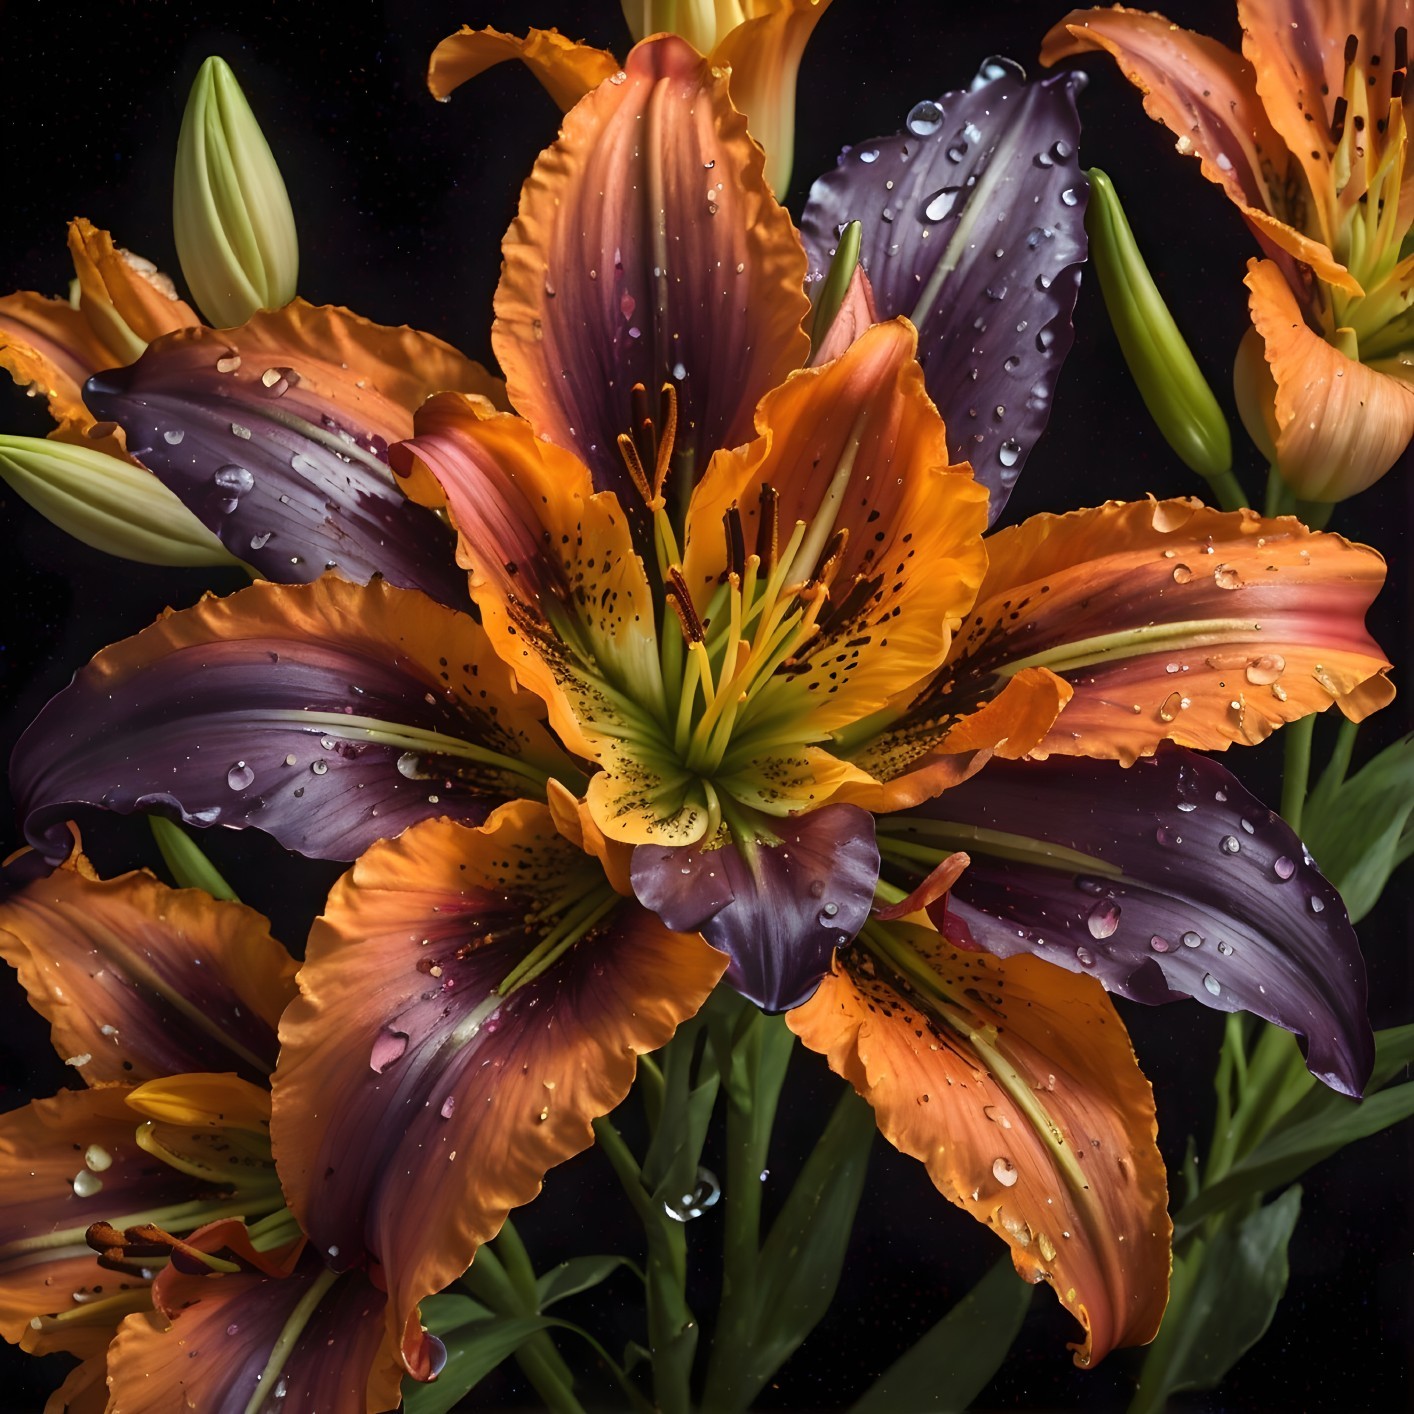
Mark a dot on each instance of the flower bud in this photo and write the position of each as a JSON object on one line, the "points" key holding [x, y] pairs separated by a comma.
{"points": [[230, 212], [1174, 390], [107, 503]]}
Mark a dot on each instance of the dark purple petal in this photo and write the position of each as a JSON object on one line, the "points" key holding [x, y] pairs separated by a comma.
{"points": [[1196, 889], [777, 911], [974, 227], [290, 481], [328, 715]]}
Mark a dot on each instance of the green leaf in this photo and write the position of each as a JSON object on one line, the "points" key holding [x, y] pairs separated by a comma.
{"points": [[189, 867], [955, 1361], [576, 1275], [473, 1351], [1359, 830], [1225, 1291], [449, 1310], [1318, 1125]]}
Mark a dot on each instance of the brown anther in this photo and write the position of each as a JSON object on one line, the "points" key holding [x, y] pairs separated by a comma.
{"points": [[667, 436], [629, 452], [678, 596], [736, 540], [1396, 85], [1338, 119], [1352, 47], [1401, 48], [768, 527], [829, 560]]}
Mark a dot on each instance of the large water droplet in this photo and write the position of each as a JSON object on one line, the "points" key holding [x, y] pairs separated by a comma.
{"points": [[1160, 944], [1318, 904], [410, 765], [1229, 844], [173, 437], [1004, 1171], [86, 1184], [1283, 868], [259, 542], [925, 118], [704, 1194], [1212, 984], [1192, 940], [1069, 197], [940, 203], [871, 154], [1009, 453], [1103, 919], [388, 1046], [239, 776], [235, 479]]}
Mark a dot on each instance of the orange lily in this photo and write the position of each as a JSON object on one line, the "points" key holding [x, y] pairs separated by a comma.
{"points": [[1305, 131], [758, 42]]}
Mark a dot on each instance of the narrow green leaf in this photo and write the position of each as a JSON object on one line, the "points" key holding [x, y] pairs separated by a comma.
{"points": [[575, 1275], [473, 1351], [1225, 1291], [955, 1361], [189, 867], [448, 1310]]}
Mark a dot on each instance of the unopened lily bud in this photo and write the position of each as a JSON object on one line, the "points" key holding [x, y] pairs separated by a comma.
{"points": [[1173, 388], [837, 278], [231, 214], [107, 503]]}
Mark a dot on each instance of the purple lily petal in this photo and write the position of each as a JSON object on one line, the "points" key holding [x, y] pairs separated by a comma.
{"points": [[278, 462], [777, 911], [1165, 880], [328, 715], [974, 227]]}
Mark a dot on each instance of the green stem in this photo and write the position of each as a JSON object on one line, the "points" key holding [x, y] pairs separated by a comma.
{"points": [[1279, 500], [1297, 770], [1227, 491], [1316, 514], [1339, 764]]}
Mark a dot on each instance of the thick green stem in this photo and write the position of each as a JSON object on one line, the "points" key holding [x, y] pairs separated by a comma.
{"points": [[1296, 771], [1227, 491]]}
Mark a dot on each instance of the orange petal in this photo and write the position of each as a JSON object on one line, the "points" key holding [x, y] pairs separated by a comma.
{"points": [[536, 540], [85, 1389], [1173, 621], [1340, 424], [1018, 1088], [1207, 96], [416, 1104], [574, 820], [763, 54], [126, 299], [648, 248], [144, 980], [854, 446], [568, 69]]}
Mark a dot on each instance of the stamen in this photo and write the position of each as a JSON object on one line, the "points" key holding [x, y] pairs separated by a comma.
{"points": [[768, 527], [736, 540], [829, 560], [667, 438], [1352, 47], [1401, 48], [678, 596], [628, 450], [1338, 119]]}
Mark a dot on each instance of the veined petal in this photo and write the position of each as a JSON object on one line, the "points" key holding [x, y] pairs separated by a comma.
{"points": [[144, 980], [974, 227], [218, 1341], [856, 447], [276, 436], [1168, 880], [648, 249], [561, 589], [1340, 424], [125, 298], [568, 68], [423, 1088], [778, 911], [1173, 621], [65, 1163], [85, 1388], [327, 715], [763, 54], [1016, 1085]]}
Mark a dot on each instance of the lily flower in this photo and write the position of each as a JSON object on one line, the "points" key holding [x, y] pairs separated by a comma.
{"points": [[739, 626], [1305, 132], [165, 1003], [758, 43]]}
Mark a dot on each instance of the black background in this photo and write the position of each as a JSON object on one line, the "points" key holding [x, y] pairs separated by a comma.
{"points": [[401, 203]]}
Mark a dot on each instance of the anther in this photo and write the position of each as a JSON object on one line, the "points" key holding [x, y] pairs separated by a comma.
{"points": [[678, 596], [1352, 46], [736, 540], [828, 562], [634, 462], [1401, 48], [768, 527], [667, 435], [1338, 119]]}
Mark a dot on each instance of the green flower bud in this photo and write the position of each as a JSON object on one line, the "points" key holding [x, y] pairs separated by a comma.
{"points": [[1174, 390], [107, 503], [835, 285], [230, 211]]}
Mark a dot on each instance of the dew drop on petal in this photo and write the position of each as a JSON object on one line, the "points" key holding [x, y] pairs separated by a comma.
{"points": [[1229, 844], [1103, 919], [239, 776], [1211, 984], [1004, 1171], [1283, 867], [1192, 940], [86, 1184]]}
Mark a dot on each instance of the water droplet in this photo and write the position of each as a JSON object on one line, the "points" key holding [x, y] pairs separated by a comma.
{"points": [[1187, 806], [1227, 577], [830, 909], [1224, 161], [388, 1046], [871, 154], [410, 765], [1318, 904], [1004, 1171], [1160, 944], [1283, 868], [925, 118], [679, 371], [1069, 197], [1061, 150], [235, 479], [1103, 919], [242, 432], [259, 542], [1229, 844], [1211, 983], [1247, 827], [817, 888], [86, 1184], [1225, 948], [1089, 886], [448, 1105], [940, 203], [705, 1192], [239, 776], [1044, 159], [97, 1158], [1192, 940], [319, 767], [1044, 339], [1009, 453], [173, 437], [1085, 957], [618, 78]]}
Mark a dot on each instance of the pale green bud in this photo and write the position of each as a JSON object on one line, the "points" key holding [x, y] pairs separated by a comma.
{"points": [[230, 212], [1173, 388], [107, 503]]}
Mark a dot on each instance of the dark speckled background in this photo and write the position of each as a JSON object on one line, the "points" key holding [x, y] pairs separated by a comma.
{"points": [[401, 203]]}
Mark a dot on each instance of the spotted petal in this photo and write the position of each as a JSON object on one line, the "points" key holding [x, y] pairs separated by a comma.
{"points": [[974, 227], [1017, 1087], [275, 435], [138, 980], [648, 249], [421, 1092], [327, 715], [290, 1330], [1173, 621], [777, 911], [1167, 880]]}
